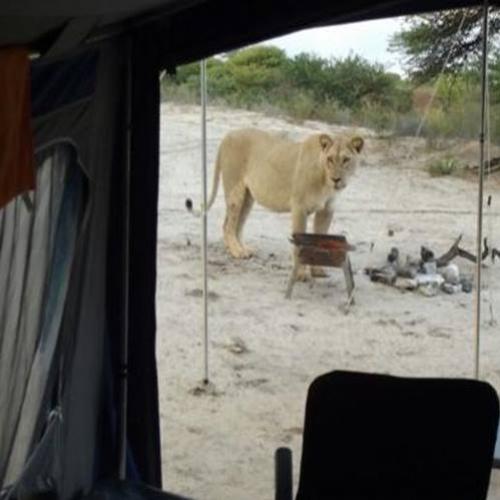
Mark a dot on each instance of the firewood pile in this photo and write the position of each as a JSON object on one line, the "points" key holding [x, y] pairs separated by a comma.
{"points": [[429, 274], [489, 166]]}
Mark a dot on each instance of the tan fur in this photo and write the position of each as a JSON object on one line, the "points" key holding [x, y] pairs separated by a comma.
{"points": [[283, 176]]}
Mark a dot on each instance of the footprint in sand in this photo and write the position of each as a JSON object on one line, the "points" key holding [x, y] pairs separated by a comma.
{"points": [[411, 333], [291, 433], [237, 346], [256, 382], [407, 353], [198, 293], [439, 333]]}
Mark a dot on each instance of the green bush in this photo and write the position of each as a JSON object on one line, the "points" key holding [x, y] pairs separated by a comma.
{"points": [[349, 91], [308, 72], [408, 124], [300, 105], [377, 116], [184, 94], [443, 166], [354, 82]]}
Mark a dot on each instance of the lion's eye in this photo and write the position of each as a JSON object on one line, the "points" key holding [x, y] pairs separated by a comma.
{"points": [[345, 160]]}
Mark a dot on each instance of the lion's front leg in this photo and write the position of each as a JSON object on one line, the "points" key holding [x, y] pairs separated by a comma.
{"points": [[322, 220], [299, 225]]}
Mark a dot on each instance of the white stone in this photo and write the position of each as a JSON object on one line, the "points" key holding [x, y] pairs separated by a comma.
{"points": [[406, 283], [430, 267], [429, 290], [451, 274], [429, 279], [451, 289]]}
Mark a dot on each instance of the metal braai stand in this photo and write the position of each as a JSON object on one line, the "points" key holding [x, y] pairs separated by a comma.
{"points": [[327, 250]]}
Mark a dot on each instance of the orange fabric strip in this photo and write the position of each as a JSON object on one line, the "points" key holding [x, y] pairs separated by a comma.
{"points": [[17, 164]]}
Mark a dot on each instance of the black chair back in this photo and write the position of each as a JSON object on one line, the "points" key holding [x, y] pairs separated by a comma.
{"points": [[379, 437]]}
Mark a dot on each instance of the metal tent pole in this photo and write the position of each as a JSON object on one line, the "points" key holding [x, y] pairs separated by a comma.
{"points": [[479, 236], [203, 92], [123, 368]]}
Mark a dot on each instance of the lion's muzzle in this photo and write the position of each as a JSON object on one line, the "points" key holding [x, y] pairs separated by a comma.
{"points": [[339, 183]]}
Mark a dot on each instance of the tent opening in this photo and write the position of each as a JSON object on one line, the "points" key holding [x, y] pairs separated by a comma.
{"points": [[410, 209]]}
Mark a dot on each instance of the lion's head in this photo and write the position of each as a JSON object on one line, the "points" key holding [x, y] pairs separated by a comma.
{"points": [[338, 157]]}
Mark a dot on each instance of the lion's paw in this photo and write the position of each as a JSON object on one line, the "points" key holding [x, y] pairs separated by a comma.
{"points": [[241, 253], [247, 253], [318, 272], [303, 274]]}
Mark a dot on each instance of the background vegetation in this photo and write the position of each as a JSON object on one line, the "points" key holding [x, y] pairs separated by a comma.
{"points": [[439, 97]]}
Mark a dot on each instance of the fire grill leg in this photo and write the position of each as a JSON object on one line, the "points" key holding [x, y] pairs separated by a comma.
{"points": [[349, 281], [291, 281]]}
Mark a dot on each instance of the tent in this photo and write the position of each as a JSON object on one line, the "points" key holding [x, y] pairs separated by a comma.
{"points": [[78, 255]]}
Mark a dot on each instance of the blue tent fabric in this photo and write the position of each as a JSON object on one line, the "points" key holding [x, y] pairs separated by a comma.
{"points": [[63, 82], [44, 330], [77, 105]]}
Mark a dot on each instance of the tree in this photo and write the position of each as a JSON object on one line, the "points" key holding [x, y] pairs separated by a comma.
{"points": [[259, 67], [448, 41], [308, 72], [354, 82]]}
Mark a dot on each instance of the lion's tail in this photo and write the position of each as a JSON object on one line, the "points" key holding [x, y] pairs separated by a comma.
{"points": [[213, 195]]}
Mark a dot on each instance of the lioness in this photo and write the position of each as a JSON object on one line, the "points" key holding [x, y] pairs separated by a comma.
{"points": [[283, 176]]}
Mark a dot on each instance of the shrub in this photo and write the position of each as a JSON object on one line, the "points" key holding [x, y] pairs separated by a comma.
{"points": [[300, 105], [443, 166], [376, 116], [354, 82], [408, 124], [350, 91], [184, 94]]}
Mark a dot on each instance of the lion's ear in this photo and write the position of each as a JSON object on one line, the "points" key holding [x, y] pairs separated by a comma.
{"points": [[325, 141], [357, 143]]}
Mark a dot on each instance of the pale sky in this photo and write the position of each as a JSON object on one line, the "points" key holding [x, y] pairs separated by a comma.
{"points": [[369, 39]]}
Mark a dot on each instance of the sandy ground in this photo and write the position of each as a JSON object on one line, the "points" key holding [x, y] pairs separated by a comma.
{"points": [[264, 350]]}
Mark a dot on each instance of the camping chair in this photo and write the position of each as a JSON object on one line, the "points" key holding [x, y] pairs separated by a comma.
{"points": [[379, 437]]}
